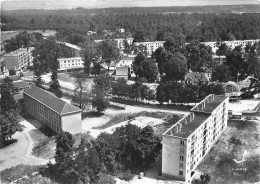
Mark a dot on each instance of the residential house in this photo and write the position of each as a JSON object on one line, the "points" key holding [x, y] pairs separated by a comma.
{"points": [[196, 78]]}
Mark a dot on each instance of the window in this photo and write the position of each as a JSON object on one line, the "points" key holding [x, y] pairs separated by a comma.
{"points": [[181, 165], [181, 173], [182, 142], [181, 157]]}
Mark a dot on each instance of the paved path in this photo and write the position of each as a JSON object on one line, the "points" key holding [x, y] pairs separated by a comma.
{"points": [[19, 152]]}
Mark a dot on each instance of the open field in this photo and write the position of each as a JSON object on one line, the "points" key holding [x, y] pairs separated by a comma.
{"points": [[235, 158]]}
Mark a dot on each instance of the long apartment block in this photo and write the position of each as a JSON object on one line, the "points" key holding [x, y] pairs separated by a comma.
{"points": [[188, 141], [52, 111]]}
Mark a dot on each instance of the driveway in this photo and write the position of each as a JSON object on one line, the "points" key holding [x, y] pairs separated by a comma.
{"points": [[20, 152]]}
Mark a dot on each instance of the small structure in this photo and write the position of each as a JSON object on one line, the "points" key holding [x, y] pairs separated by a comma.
{"points": [[21, 86], [122, 72], [196, 78], [236, 115]]}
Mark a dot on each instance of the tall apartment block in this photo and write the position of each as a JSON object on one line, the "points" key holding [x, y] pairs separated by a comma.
{"points": [[52, 111], [188, 141], [19, 59]]}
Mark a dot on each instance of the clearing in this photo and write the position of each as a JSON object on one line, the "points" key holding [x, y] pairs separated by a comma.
{"points": [[235, 158]]}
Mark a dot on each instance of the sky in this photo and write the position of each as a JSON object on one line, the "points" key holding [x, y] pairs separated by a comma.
{"points": [[68, 4]]}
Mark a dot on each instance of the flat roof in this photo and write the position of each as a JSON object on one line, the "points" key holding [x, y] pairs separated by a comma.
{"points": [[211, 103], [187, 126], [200, 113]]}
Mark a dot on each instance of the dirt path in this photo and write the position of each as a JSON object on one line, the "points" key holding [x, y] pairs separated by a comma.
{"points": [[20, 152]]}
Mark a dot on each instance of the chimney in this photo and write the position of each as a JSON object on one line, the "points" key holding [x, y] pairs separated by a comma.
{"points": [[213, 97], [185, 121], [179, 127]]}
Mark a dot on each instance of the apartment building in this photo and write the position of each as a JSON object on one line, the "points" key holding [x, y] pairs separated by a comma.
{"points": [[52, 111], [188, 141], [70, 63], [19, 59], [232, 44], [151, 46], [121, 42]]}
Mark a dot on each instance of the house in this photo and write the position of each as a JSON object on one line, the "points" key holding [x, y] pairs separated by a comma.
{"points": [[52, 111], [122, 72], [196, 78], [187, 142], [127, 61]]}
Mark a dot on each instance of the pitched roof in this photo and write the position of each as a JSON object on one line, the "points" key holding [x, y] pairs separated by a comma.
{"points": [[10, 64], [51, 101], [196, 76], [122, 70]]}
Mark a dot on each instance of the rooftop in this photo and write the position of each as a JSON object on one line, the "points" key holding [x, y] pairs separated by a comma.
{"points": [[187, 125], [196, 76], [21, 84], [14, 78], [70, 45], [51, 101], [200, 113], [19, 51], [209, 104]]}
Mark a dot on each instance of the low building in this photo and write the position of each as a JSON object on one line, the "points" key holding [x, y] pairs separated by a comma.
{"points": [[122, 72], [232, 44], [52, 111], [196, 78], [70, 63], [120, 42], [189, 140], [19, 60], [127, 61], [151, 46]]}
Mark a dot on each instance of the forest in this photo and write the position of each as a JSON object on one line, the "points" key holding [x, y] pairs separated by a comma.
{"points": [[145, 24]]}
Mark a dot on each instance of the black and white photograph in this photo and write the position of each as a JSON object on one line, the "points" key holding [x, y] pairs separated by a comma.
{"points": [[130, 92]]}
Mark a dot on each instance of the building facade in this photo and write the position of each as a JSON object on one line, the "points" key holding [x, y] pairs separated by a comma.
{"points": [[70, 63], [52, 111], [232, 44], [196, 78], [151, 46], [188, 141], [121, 42], [19, 59]]}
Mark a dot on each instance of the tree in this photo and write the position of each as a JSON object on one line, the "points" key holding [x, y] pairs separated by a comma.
{"points": [[150, 95], [9, 125], [89, 54], [204, 179], [106, 179], [109, 52], [149, 70], [120, 87], [137, 64], [140, 49], [175, 67], [81, 96], [161, 57], [55, 85], [199, 56], [221, 73], [64, 151], [99, 101], [7, 100]]}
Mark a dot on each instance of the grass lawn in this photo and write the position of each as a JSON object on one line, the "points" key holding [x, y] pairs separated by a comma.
{"points": [[44, 146], [70, 77], [240, 138], [169, 118]]}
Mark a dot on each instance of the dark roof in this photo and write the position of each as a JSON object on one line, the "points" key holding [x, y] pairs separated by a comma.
{"points": [[13, 77], [21, 84], [211, 102], [187, 126], [122, 70], [197, 77], [51, 101], [10, 64]]}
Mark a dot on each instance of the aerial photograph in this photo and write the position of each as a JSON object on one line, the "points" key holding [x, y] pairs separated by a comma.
{"points": [[130, 92]]}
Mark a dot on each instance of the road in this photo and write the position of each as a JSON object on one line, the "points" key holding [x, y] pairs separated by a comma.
{"points": [[20, 152]]}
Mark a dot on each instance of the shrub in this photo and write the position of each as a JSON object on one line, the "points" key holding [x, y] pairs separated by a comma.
{"points": [[17, 172], [127, 175], [235, 140]]}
